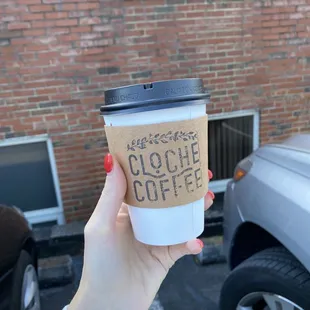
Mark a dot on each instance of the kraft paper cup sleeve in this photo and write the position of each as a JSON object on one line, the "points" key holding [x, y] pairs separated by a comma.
{"points": [[165, 164]]}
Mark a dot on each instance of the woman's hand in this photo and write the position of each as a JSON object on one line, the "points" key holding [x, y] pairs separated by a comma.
{"points": [[120, 272]]}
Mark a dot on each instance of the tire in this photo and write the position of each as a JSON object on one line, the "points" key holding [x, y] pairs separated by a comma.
{"points": [[274, 270], [24, 263]]}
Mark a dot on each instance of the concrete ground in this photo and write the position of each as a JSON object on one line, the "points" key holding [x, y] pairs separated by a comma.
{"points": [[192, 287], [187, 287], [58, 297]]}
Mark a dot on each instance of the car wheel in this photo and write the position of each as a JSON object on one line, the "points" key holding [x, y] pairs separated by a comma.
{"points": [[269, 280], [25, 286]]}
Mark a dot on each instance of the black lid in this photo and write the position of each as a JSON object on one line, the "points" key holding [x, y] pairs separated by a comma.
{"points": [[153, 96]]}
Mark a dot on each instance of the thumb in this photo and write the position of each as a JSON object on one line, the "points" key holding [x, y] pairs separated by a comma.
{"points": [[191, 247], [113, 193]]}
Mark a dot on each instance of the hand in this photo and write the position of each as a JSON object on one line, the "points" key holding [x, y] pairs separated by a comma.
{"points": [[120, 272]]}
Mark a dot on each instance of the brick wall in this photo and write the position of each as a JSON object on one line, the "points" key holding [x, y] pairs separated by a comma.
{"points": [[58, 56]]}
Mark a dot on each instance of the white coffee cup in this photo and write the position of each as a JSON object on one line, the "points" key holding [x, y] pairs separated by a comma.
{"points": [[178, 224]]}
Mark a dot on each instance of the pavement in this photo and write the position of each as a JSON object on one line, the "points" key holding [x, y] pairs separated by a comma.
{"points": [[56, 298], [192, 287], [188, 286]]}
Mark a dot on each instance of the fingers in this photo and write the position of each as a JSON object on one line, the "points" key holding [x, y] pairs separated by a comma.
{"points": [[179, 250], [209, 200], [112, 195], [210, 174], [124, 209], [210, 195], [194, 246]]}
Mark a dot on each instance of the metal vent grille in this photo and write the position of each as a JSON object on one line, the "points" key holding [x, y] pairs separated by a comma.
{"points": [[230, 140]]}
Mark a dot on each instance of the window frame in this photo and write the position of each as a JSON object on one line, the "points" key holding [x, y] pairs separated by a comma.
{"points": [[50, 214], [220, 186]]}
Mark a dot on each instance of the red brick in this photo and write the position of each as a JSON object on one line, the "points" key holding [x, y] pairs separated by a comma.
{"points": [[273, 23], [60, 97], [90, 20], [52, 1], [271, 37], [65, 7], [66, 22], [38, 99], [81, 29], [93, 51], [301, 27], [34, 119], [36, 48], [5, 94], [69, 38], [34, 32], [56, 15], [14, 10], [58, 30], [45, 91], [20, 41], [71, 102], [23, 93], [41, 8], [25, 2], [55, 117], [32, 17], [288, 9], [43, 24], [18, 26], [30, 71], [88, 6], [47, 55], [280, 30], [287, 22], [57, 83]]}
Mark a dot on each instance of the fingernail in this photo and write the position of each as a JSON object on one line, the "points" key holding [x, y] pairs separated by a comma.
{"points": [[210, 174], [108, 163], [211, 195], [200, 243]]}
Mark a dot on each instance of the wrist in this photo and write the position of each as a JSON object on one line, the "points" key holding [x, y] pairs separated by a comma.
{"points": [[86, 299], [82, 300]]}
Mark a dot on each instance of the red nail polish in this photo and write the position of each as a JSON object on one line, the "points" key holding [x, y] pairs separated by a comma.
{"points": [[200, 243], [108, 163], [211, 194], [210, 174]]}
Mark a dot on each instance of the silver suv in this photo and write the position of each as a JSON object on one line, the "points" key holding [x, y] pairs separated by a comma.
{"points": [[267, 229]]}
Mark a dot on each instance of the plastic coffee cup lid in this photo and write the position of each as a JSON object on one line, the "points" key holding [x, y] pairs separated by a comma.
{"points": [[154, 96]]}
